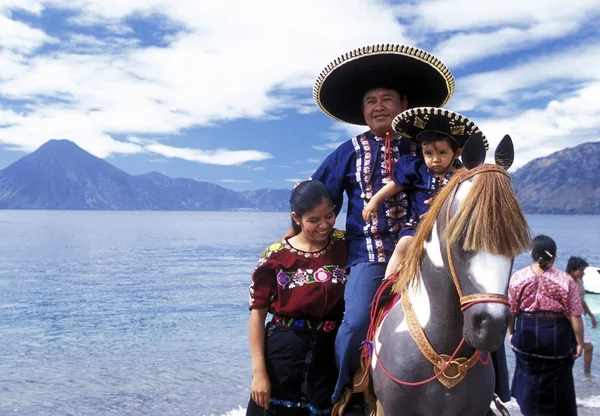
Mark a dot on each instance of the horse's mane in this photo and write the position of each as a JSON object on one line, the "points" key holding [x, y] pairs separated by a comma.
{"points": [[489, 219]]}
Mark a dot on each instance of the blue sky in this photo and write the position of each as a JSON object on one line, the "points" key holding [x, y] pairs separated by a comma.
{"points": [[222, 91]]}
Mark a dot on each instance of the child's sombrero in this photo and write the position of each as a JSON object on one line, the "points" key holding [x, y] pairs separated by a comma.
{"points": [[411, 123]]}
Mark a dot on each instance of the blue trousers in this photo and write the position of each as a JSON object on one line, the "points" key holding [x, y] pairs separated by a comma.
{"points": [[363, 281]]}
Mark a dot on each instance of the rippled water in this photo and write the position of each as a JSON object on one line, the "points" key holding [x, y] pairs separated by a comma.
{"points": [[145, 313]]}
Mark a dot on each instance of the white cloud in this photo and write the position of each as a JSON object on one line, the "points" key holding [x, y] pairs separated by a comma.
{"points": [[219, 66], [214, 157], [467, 47], [539, 132], [559, 70], [20, 37], [209, 66], [30, 6], [456, 15]]}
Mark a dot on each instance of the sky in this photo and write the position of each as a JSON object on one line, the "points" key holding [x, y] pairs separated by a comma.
{"points": [[221, 91]]}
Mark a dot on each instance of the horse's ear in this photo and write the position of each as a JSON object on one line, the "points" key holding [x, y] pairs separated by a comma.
{"points": [[505, 152], [473, 153]]}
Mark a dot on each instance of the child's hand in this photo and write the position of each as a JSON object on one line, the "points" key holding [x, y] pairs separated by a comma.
{"points": [[369, 211], [427, 202]]}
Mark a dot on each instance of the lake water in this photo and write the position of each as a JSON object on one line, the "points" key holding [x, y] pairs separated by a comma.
{"points": [[145, 313]]}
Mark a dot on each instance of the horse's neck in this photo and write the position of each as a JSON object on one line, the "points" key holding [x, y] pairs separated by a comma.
{"points": [[435, 301]]}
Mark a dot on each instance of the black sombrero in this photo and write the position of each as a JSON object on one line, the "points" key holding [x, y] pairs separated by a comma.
{"points": [[340, 87], [411, 123]]}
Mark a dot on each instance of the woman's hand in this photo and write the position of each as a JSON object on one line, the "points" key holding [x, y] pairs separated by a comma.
{"points": [[594, 322], [261, 389], [369, 211], [578, 352]]}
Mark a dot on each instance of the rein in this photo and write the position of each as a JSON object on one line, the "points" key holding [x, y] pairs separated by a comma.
{"points": [[441, 362]]}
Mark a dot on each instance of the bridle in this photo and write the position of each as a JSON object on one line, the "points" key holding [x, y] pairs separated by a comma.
{"points": [[448, 370], [467, 301]]}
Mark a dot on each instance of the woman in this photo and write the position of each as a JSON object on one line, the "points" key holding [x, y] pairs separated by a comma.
{"points": [[546, 334], [300, 281]]}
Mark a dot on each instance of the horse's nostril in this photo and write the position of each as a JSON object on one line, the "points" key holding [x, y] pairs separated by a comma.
{"points": [[480, 321]]}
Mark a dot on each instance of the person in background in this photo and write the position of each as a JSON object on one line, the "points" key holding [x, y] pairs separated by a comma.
{"points": [[546, 334], [300, 281], [575, 268]]}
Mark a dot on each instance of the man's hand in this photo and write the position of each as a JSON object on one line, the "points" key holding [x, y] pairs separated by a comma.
{"points": [[289, 233], [369, 211]]}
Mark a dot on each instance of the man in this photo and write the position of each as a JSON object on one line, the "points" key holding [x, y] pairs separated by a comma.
{"points": [[575, 268], [370, 86]]}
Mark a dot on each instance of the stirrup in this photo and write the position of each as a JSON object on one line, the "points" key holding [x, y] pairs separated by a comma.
{"points": [[339, 406], [500, 406], [361, 380]]}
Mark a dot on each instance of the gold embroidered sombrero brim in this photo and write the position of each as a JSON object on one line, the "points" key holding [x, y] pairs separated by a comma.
{"points": [[411, 123], [420, 76]]}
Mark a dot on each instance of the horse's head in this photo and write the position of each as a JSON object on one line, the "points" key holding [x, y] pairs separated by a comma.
{"points": [[481, 228]]}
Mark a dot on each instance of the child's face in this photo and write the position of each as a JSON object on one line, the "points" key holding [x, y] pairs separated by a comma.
{"points": [[438, 156]]}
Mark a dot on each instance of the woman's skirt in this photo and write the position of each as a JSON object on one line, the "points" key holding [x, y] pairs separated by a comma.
{"points": [[543, 380], [301, 366]]}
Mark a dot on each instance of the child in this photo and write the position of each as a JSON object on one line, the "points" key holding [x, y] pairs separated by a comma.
{"points": [[441, 134]]}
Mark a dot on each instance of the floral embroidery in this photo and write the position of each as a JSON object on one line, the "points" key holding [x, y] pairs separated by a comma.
{"points": [[338, 234], [302, 323], [303, 405], [366, 167], [303, 277], [251, 292], [339, 275], [329, 326], [273, 248], [283, 279], [322, 275]]}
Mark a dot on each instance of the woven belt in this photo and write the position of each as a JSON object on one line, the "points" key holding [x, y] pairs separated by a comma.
{"points": [[304, 324]]}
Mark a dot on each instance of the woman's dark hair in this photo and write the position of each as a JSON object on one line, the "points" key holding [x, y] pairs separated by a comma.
{"points": [[428, 137], [305, 197], [576, 263], [543, 251]]}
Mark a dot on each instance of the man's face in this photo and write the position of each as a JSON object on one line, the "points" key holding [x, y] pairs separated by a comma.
{"points": [[379, 108]]}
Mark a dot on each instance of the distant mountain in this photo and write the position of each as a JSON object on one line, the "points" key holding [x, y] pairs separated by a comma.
{"points": [[61, 175], [565, 182]]}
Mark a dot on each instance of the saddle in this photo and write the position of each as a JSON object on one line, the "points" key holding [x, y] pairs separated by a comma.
{"points": [[362, 381]]}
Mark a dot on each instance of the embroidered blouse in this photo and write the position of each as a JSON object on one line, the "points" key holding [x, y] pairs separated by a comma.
{"points": [[358, 168], [552, 291], [420, 183], [293, 283]]}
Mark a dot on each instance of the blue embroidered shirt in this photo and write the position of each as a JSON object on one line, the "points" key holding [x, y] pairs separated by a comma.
{"points": [[358, 168]]}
